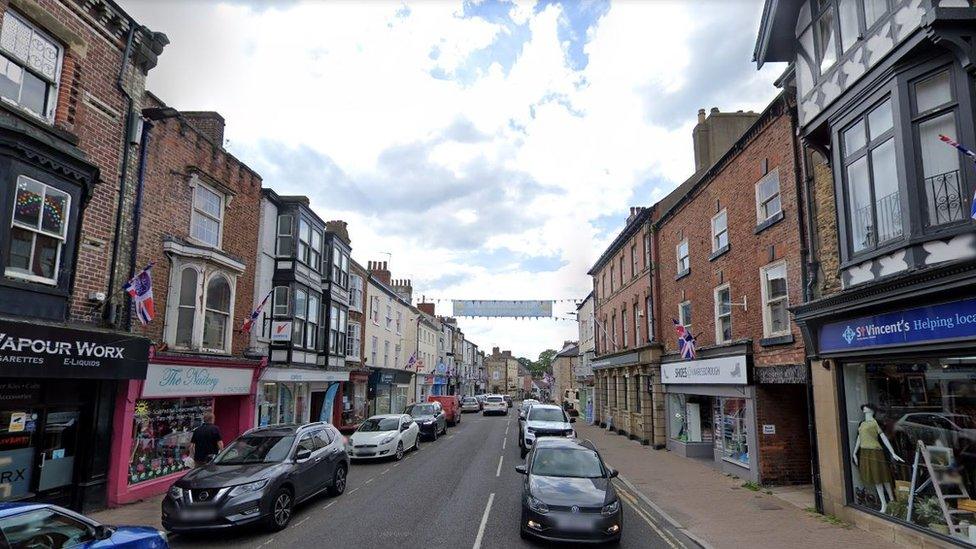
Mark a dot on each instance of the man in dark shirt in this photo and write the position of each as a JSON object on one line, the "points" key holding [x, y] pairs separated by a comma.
{"points": [[206, 441]]}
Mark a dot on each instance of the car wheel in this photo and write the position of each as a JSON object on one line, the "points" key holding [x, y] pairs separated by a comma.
{"points": [[280, 510], [444, 432], [338, 481], [433, 435], [523, 534], [399, 451], [416, 443]]}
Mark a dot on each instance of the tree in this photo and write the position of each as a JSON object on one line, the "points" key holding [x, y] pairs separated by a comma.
{"points": [[544, 364]]}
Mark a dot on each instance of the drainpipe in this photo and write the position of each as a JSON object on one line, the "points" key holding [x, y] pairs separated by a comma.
{"points": [[800, 171], [137, 206], [109, 313]]}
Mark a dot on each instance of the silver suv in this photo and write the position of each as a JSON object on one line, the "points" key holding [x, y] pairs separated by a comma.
{"points": [[544, 420]]}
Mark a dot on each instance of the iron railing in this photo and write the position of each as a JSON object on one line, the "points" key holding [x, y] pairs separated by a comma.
{"points": [[945, 198]]}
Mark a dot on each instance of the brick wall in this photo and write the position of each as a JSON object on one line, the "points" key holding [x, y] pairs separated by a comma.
{"points": [[826, 239], [634, 290], [784, 457]]}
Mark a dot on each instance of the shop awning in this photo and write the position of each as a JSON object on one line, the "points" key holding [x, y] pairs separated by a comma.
{"points": [[303, 374]]}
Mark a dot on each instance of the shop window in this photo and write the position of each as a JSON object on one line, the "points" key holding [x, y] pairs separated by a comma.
{"points": [[734, 430], [776, 301], [30, 66], [690, 418], [217, 315], [37, 233], [284, 241], [768, 202], [638, 389], [268, 405], [207, 216], [161, 432], [723, 314], [935, 112], [720, 231], [914, 420], [684, 261]]}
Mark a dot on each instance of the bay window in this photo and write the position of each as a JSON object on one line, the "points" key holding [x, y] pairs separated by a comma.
{"points": [[312, 323], [200, 309], [309, 245], [826, 36], [340, 267], [37, 232], [280, 306], [187, 308], [298, 318], [934, 113], [284, 241]]}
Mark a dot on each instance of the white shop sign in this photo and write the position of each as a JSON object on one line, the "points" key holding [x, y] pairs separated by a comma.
{"points": [[163, 380], [302, 375], [730, 370], [281, 330]]}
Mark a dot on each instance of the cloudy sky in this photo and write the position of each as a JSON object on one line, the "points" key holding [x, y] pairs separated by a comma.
{"points": [[487, 150]]}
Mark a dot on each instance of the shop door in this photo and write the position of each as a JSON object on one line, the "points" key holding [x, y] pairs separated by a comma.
{"points": [[56, 454]]}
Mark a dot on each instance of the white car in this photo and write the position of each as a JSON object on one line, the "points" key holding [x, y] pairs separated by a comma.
{"points": [[545, 420], [495, 404], [384, 436]]}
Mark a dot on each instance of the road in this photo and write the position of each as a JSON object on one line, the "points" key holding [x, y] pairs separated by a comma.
{"points": [[458, 492]]}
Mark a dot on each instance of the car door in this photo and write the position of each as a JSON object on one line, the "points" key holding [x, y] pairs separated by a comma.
{"points": [[334, 451], [306, 475], [408, 432]]}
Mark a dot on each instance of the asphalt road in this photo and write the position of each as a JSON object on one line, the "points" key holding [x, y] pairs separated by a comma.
{"points": [[458, 492]]}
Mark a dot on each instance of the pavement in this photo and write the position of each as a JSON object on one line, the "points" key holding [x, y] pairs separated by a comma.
{"points": [[457, 492], [716, 510]]}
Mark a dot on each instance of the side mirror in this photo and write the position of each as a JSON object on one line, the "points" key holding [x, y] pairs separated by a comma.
{"points": [[520, 469], [404, 427], [303, 454], [614, 473], [572, 420], [102, 532]]}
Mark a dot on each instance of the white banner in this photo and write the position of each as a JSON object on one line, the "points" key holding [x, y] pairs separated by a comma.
{"points": [[729, 370], [298, 374], [163, 380], [501, 308]]}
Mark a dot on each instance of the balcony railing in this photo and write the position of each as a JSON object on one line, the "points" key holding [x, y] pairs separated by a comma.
{"points": [[945, 198], [888, 226]]}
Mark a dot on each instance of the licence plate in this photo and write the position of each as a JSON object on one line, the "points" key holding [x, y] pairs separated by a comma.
{"points": [[198, 514]]}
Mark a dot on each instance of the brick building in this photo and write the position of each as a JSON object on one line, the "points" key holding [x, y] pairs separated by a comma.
{"points": [[72, 89], [729, 268], [196, 225]]}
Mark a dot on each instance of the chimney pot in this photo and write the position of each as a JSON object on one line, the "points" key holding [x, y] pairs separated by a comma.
{"points": [[701, 115], [714, 110]]}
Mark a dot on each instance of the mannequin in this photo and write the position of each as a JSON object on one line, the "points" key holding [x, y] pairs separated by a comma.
{"points": [[870, 459]]}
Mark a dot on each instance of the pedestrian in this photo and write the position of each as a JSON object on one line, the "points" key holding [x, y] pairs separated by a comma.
{"points": [[206, 441]]}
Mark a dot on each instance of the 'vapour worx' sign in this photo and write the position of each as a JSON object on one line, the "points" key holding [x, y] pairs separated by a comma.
{"points": [[37, 350], [942, 322]]}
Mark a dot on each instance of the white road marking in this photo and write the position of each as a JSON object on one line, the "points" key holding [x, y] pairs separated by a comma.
{"points": [[266, 543], [331, 503], [633, 505], [385, 471], [353, 490], [498, 473], [504, 440], [484, 522], [301, 522], [506, 429], [367, 482]]}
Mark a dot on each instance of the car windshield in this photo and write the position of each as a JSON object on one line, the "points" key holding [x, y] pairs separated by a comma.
{"points": [[566, 462], [494, 399], [376, 424], [256, 449], [546, 414], [420, 410], [469, 400]]}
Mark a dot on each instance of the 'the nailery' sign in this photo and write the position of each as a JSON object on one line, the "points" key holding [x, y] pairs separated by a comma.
{"points": [[37, 350], [163, 380], [942, 322]]}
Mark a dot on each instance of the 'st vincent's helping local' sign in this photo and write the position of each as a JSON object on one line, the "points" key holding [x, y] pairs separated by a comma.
{"points": [[729, 370], [163, 380], [945, 321]]}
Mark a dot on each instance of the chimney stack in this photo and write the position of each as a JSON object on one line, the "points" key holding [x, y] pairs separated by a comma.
{"points": [[209, 123], [716, 133], [339, 228], [378, 270], [404, 289], [427, 308]]}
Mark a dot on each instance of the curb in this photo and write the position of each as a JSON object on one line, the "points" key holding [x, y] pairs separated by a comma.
{"points": [[670, 520]]}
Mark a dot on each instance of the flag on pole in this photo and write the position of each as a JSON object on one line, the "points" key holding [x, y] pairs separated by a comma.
{"points": [[412, 363], [250, 320], [948, 141], [686, 341], [140, 288]]}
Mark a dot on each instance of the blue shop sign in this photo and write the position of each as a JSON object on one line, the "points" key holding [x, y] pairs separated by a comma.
{"points": [[943, 322]]}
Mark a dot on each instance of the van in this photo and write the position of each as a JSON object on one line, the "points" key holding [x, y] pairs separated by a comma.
{"points": [[451, 405]]}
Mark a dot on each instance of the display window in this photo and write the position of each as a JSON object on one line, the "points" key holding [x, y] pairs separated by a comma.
{"points": [[268, 405], [398, 399], [161, 433], [354, 404], [691, 418], [382, 399], [911, 429], [734, 430]]}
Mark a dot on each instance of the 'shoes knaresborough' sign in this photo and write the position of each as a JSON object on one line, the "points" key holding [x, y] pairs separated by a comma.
{"points": [[729, 370], [38, 350], [164, 380], [942, 322], [501, 308]]}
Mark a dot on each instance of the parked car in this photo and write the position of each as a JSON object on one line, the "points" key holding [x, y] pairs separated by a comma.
{"points": [[956, 431], [571, 402], [384, 436], [544, 420], [42, 525], [452, 407], [525, 406], [429, 418], [567, 494], [481, 400], [495, 404], [508, 400], [470, 404], [259, 477]]}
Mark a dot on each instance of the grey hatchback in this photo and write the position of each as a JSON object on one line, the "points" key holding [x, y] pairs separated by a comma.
{"points": [[259, 477]]}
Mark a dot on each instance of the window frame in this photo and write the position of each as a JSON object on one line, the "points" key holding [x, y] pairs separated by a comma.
{"points": [[52, 86], [719, 333], [686, 322], [62, 239], [634, 265], [637, 323], [195, 211], [229, 314], [289, 235], [200, 309], [624, 330], [683, 260], [766, 310], [762, 202], [724, 213]]}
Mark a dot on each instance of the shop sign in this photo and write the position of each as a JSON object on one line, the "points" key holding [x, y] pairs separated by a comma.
{"points": [[387, 377], [164, 380], [16, 470], [942, 322], [303, 375], [19, 392], [441, 368], [281, 330], [38, 350], [729, 370], [769, 429]]}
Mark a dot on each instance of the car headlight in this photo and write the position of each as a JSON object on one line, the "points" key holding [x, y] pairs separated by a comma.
{"points": [[611, 508], [248, 488], [530, 430], [388, 439], [538, 506], [175, 492]]}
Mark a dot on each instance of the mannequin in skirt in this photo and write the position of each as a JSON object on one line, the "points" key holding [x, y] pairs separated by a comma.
{"points": [[869, 456]]}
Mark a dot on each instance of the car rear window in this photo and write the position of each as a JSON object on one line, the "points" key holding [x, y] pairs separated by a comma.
{"points": [[494, 399]]}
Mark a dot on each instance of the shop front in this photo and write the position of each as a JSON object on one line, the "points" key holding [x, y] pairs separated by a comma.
{"points": [[300, 395], [155, 419], [354, 402], [390, 389], [712, 412], [902, 382], [57, 390]]}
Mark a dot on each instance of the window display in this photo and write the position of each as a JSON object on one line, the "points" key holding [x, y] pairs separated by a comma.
{"points": [[912, 441], [691, 418], [398, 401], [354, 404], [161, 436], [734, 429], [268, 405]]}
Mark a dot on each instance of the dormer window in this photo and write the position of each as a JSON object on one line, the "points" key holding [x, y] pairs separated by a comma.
{"points": [[30, 66], [207, 217]]}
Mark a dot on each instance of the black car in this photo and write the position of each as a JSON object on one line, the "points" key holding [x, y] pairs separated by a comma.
{"points": [[259, 478], [568, 495], [508, 400], [429, 417]]}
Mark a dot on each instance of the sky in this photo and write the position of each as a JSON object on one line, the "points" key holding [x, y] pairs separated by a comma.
{"points": [[485, 149]]}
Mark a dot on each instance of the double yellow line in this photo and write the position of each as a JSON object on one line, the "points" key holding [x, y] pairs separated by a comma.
{"points": [[631, 500]]}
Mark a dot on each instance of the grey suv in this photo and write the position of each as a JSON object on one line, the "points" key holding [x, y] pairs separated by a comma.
{"points": [[259, 477]]}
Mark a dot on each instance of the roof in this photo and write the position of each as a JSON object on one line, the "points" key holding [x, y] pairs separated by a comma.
{"points": [[571, 350], [585, 299], [776, 39], [631, 228], [558, 442]]}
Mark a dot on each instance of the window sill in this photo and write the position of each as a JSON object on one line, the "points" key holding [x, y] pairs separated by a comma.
{"points": [[769, 222], [719, 252], [682, 274], [777, 340]]}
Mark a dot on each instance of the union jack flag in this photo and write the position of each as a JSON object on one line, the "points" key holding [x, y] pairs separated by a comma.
{"points": [[249, 321], [686, 341], [948, 141], [140, 288], [412, 363]]}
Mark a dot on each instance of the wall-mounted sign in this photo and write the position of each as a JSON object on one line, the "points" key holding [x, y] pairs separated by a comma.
{"points": [[942, 322], [502, 308], [728, 370], [302, 375], [163, 380], [281, 330], [39, 350], [769, 429]]}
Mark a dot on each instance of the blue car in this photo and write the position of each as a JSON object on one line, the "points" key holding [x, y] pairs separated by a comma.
{"points": [[43, 526]]}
